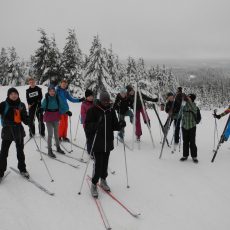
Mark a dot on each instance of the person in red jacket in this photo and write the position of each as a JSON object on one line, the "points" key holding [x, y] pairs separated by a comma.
{"points": [[85, 106]]}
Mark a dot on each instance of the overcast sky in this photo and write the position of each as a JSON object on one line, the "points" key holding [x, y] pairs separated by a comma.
{"points": [[140, 28]]}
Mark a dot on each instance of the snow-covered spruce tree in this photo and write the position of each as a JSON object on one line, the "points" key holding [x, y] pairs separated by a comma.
{"points": [[41, 58], [131, 72], [72, 63], [4, 66], [53, 62], [96, 74], [14, 76], [112, 65]]}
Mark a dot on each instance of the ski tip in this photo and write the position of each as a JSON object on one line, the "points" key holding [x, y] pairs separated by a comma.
{"points": [[137, 215]]}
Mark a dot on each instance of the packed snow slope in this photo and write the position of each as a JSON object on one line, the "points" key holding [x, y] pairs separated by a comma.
{"points": [[168, 193]]}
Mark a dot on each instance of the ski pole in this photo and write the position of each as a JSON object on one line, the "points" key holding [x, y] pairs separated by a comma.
{"points": [[126, 168], [28, 141], [215, 131], [84, 151], [71, 140], [43, 160], [75, 137], [134, 118], [87, 165]]}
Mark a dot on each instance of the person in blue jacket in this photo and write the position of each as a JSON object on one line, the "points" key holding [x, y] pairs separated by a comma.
{"points": [[65, 95]]}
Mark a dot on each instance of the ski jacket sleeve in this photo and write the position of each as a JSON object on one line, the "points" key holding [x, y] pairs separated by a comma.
{"points": [[146, 98], [40, 96], [63, 107], [24, 115], [227, 111], [27, 97], [91, 123], [72, 99], [83, 113], [2, 107], [116, 103], [168, 106], [43, 106], [116, 126]]}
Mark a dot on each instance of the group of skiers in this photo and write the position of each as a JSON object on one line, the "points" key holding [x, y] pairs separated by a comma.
{"points": [[99, 120]]}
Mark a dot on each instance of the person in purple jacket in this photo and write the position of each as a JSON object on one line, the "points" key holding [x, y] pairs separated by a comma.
{"points": [[85, 106], [65, 95]]}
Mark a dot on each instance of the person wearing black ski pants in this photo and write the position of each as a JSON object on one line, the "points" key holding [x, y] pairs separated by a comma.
{"points": [[101, 160], [100, 123], [13, 113], [20, 155], [34, 97], [189, 142]]}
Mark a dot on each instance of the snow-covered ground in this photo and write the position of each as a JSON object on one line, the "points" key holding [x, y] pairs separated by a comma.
{"points": [[169, 194]]}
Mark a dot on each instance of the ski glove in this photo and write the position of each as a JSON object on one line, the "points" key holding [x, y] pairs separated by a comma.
{"points": [[217, 116], [69, 113], [81, 99], [122, 124]]}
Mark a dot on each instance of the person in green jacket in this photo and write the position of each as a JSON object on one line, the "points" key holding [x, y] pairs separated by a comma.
{"points": [[189, 114]]}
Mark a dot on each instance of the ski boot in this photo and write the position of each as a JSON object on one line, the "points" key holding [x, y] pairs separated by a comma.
{"points": [[25, 174], [94, 191], [195, 160], [104, 185], [183, 158], [59, 150], [51, 154]]}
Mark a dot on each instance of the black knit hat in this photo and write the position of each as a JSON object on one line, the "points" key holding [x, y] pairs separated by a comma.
{"points": [[129, 88], [169, 94], [104, 96], [192, 96], [12, 90], [88, 93], [179, 89]]}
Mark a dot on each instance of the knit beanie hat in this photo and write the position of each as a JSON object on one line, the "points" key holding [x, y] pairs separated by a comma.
{"points": [[169, 94], [179, 89], [129, 88], [88, 93], [51, 87], [104, 96], [12, 90], [192, 96]]}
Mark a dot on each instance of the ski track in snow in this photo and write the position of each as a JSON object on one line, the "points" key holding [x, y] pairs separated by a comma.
{"points": [[168, 193]]}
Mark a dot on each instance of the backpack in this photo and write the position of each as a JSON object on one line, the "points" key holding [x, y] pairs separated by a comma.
{"points": [[17, 113], [47, 101], [197, 116]]}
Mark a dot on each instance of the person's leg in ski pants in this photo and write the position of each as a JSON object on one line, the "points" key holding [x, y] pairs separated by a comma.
{"points": [[52, 128], [101, 160], [63, 126]]}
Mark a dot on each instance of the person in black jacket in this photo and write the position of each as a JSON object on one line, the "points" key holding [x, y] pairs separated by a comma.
{"points": [[13, 113], [34, 97], [173, 107], [139, 109], [100, 122], [122, 106]]}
